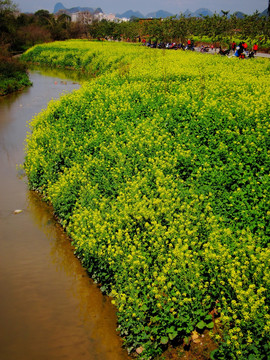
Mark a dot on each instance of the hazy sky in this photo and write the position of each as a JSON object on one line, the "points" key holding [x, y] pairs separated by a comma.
{"points": [[146, 6]]}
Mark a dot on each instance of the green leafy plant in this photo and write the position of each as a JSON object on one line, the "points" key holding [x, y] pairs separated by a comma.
{"points": [[164, 192]]}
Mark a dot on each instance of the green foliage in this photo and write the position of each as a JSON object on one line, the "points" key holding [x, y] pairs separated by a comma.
{"points": [[217, 28], [160, 175], [13, 75], [7, 6], [25, 30]]}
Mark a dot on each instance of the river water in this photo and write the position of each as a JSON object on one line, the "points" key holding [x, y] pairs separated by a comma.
{"points": [[49, 308]]}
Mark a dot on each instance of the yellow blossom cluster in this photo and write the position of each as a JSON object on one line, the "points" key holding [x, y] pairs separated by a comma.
{"points": [[159, 170]]}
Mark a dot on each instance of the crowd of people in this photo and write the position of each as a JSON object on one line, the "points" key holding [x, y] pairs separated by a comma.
{"points": [[170, 45], [241, 50]]}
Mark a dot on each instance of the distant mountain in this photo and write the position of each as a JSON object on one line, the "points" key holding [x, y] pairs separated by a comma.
{"points": [[156, 14], [98, 10], [239, 14], [159, 14], [59, 6], [264, 13], [78, 8], [202, 12], [198, 13], [187, 13], [129, 14]]}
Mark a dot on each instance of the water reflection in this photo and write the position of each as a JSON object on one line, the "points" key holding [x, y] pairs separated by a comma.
{"points": [[61, 74], [95, 310], [49, 308]]}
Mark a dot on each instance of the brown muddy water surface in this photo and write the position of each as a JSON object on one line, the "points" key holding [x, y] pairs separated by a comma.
{"points": [[49, 308]]}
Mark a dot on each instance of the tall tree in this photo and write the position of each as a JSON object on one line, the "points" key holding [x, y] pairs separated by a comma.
{"points": [[7, 6], [7, 22]]}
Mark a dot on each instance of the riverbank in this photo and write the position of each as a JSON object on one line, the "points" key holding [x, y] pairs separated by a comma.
{"points": [[49, 308], [13, 75], [158, 169]]}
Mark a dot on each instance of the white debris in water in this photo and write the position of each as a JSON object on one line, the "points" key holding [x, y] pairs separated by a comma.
{"points": [[15, 212]]}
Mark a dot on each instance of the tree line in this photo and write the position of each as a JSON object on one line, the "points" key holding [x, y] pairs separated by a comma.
{"points": [[19, 31], [215, 29]]}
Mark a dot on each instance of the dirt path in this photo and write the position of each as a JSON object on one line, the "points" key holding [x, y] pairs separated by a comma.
{"points": [[215, 51]]}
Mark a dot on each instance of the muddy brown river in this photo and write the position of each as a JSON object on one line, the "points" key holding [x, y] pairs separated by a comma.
{"points": [[49, 308]]}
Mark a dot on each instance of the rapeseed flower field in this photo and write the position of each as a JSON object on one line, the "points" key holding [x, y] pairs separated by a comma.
{"points": [[159, 170]]}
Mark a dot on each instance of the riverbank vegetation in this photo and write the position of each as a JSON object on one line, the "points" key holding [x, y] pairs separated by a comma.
{"points": [[13, 75], [158, 169]]}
